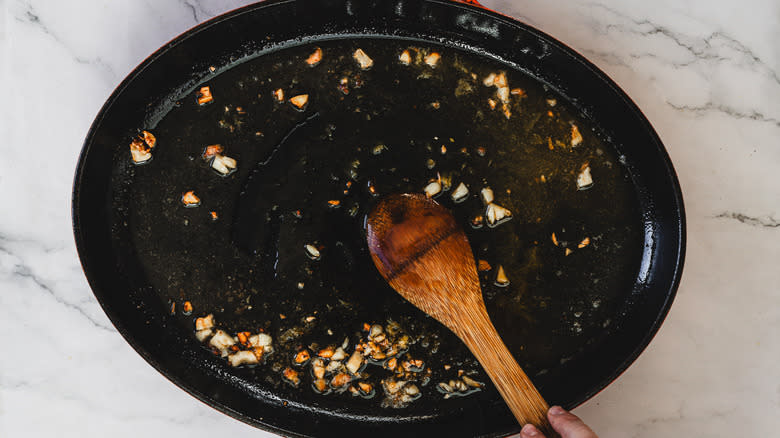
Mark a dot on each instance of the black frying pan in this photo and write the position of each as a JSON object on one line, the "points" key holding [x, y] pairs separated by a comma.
{"points": [[132, 245]]}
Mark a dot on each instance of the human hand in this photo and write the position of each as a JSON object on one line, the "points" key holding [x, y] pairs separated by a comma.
{"points": [[565, 423]]}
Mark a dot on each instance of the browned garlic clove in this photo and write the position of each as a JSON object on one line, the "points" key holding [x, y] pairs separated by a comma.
{"points": [[364, 61], [315, 57], [223, 164], [501, 279]]}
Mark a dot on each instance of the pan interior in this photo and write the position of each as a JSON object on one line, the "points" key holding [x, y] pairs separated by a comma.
{"points": [[571, 255]]}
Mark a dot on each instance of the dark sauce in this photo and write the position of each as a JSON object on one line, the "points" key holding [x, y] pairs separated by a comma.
{"points": [[245, 267]]}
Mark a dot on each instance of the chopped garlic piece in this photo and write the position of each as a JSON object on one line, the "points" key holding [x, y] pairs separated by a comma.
{"points": [[432, 189], [507, 112], [223, 164], [487, 195], [503, 94], [204, 334], [405, 58], [149, 139], [141, 149], [490, 80], [339, 354], [291, 376], [500, 80], [190, 199], [375, 331], [584, 179], [471, 382], [392, 386], [343, 85], [315, 57], [391, 364], [340, 380], [501, 278], [300, 101], [279, 95], [432, 59], [365, 388], [363, 59], [242, 357], [260, 340], [378, 149], [355, 362], [204, 96], [326, 352], [318, 368], [212, 151], [302, 357], [222, 341], [446, 181], [460, 193], [140, 156], [576, 137], [320, 384], [312, 252], [496, 215], [552, 102], [411, 389], [205, 322], [372, 189]]}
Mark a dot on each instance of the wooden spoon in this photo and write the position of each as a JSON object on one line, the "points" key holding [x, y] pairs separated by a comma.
{"points": [[425, 256]]}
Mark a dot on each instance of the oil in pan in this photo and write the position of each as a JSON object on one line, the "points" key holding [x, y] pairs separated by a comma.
{"points": [[281, 157]]}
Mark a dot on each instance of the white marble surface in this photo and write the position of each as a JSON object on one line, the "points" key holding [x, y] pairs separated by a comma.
{"points": [[706, 74]]}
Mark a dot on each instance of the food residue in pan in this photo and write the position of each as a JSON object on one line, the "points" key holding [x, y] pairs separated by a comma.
{"points": [[190, 199], [204, 96], [378, 359], [299, 274], [141, 147]]}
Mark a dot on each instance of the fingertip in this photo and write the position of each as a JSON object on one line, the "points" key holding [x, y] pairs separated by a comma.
{"points": [[529, 430], [557, 410], [568, 424]]}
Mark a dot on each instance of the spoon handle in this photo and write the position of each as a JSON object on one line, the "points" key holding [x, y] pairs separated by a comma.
{"points": [[515, 387]]}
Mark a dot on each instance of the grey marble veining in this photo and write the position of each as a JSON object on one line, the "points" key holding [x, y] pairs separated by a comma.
{"points": [[706, 74]]}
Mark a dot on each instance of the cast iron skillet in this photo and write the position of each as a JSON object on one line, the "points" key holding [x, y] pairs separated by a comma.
{"points": [[119, 283]]}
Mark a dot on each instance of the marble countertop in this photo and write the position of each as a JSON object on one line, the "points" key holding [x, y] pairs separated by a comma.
{"points": [[706, 74]]}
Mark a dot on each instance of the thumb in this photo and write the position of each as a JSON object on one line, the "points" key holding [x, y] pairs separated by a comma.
{"points": [[568, 424]]}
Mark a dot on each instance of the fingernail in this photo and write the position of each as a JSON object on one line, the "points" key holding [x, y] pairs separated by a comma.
{"points": [[530, 430], [557, 410]]}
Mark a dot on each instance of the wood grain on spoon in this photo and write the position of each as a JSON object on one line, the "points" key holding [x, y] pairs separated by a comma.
{"points": [[425, 256]]}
